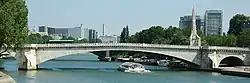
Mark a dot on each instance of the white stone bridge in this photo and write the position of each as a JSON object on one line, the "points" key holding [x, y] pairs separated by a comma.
{"points": [[33, 54]]}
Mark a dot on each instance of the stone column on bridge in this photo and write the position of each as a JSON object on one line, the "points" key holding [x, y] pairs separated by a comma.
{"points": [[108, 58], [27, 59], [107, 54]]}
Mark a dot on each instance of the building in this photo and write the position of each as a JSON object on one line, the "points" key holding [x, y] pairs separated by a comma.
{"points": [[76, 32], [213, 22], [92, 35], [186, 22], [109, 39], [246, 26], [86, 34]]}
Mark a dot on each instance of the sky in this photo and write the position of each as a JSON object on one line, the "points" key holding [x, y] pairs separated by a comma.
{"points": [[116, 14]]}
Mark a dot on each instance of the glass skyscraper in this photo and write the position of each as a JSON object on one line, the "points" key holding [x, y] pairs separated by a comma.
{"points": [[186, 22], [213, 22]]}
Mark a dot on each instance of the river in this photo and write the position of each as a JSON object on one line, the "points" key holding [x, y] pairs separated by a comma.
{"points": [[85, 68]]}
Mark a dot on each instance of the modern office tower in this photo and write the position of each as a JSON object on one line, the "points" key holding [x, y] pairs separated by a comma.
{"points": [[92, 35], [186, 22], [42, 29], [246, 26], [86, 33], [72, 32], [213, 22], [76, 32]]}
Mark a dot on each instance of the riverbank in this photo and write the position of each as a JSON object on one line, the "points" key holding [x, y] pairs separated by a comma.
{"points": [[4, 78], [241, 71]]}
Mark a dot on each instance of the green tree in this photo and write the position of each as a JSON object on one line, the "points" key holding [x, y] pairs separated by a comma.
{"points": [[124, 37], [35, 39], [176, 36], [244, 39], [38, 39], [236, 24], [214, 40], [81, 41], [67, 38], [98, 41], [46, 38], [217, 40], [13, 24], [229, 40]]}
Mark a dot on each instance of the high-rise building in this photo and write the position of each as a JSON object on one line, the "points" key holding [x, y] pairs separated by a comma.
{"points": [[246, 26], [186, 22], [213, 22], [75, 32], [42, 29], [86, 33], [92, 35]]}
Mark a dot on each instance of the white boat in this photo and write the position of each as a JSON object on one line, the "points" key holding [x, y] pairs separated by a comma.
{"points": [[163, 63], [132, 67]]}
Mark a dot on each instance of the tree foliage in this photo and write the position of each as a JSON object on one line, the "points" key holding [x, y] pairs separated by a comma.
{"points": [[177, 36], [236, 24], [124, 37], [38, 39], [244, 39], [13, 24]]}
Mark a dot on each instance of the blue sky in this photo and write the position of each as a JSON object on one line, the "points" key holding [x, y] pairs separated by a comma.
{"points": [[115, 14]]}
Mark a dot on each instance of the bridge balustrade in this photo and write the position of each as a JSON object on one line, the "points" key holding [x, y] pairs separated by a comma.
{"points": [[140, 45]]}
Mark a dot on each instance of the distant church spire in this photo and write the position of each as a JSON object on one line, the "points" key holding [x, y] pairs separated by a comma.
{"points": [[194, 21], [195, 40]]}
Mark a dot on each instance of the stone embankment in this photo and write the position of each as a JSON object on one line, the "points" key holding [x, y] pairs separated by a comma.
{"points": [[236, 71], [4, 78]]}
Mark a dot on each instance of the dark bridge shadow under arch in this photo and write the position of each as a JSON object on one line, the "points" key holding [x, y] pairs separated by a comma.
{"points": [[231, 62], [148, 54]]}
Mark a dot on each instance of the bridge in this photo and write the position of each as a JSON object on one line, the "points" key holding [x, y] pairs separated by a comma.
{"points": [[32, 55]]}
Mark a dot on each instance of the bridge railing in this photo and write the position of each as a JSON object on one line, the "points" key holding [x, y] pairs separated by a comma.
{"points": [[111, 44], [142, 45]]}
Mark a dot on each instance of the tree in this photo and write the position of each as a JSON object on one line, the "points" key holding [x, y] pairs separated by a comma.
{"points": [[124, 37], [38, 39], [214, 40], [35, 39], [217, 40], [177, 36], [236, 24], [67, 38], [244, 39], [229, 40], [81, 41], [13, 24], [46, 38], [98, 41]]}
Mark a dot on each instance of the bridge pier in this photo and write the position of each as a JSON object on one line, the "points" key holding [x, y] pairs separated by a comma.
{"points": [[107, 57], [27, 59]]}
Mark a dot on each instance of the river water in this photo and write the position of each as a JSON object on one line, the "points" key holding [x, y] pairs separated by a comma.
{"points": [[85, 68]]}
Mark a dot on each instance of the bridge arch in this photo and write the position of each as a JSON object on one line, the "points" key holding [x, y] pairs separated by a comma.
{"points": [[231, 61], [45, 55]]}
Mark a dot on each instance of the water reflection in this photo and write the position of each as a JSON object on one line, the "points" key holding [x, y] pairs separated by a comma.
{"points": [[104, 72]]}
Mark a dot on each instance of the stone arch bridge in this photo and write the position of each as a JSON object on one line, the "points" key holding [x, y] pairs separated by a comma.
{"points": [[33, 54]]}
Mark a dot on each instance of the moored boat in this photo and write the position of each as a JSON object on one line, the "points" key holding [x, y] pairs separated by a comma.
{"points": [[132, 67]]}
